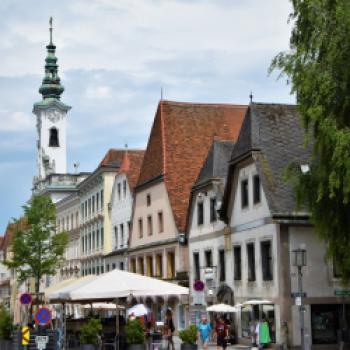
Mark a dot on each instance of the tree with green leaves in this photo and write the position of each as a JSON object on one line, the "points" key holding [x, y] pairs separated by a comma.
{"points": [[318, 69], [37, 250]]}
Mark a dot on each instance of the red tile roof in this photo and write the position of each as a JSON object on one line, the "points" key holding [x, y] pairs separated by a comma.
{"points": [[181, 136], [131, 166], [112, 158]]}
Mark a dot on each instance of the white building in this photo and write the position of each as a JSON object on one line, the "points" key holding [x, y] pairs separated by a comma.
{"points": [[121, 208], [266, 226], [206, 233]]}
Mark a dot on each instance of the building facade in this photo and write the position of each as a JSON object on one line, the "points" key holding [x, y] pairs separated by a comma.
{"points": [[266, 227], [120, 208], [178, 145]]}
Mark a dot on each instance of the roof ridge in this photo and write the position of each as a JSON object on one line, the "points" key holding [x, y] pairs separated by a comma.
{"points": [[163, 136], [202, 104]]}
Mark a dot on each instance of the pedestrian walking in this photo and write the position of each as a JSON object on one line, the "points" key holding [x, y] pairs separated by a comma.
{"points": [[263, 334], [204, 330], [169, 326], [221, 333]]}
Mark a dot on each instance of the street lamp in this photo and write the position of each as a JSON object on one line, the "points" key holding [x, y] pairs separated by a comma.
{"points": [[299, 261]]}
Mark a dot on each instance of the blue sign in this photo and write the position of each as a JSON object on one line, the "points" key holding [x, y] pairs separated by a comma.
{"points": [[25, 299], [43, 316]]}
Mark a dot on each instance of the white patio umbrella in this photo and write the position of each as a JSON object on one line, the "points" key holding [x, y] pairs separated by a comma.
{"points": [[257, 302], [222, 308], [120, 284], [138, 310], [103, 306]]}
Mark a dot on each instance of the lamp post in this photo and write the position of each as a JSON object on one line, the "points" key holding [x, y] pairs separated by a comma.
{"points": [[299, 260]]}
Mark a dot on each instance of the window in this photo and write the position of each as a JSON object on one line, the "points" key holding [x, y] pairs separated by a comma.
{"points": [[93, 240], [102, 237], [160, 222], [251, 261], [244, 193], [114, 266], [72, 221], [82, 245], [121, 235], [97, 201], [222, 272], [116, 236], [148, 200], [141, 270], [149, 225], [133, 265], [196, 266], [124, 188], [266, 260], [93, 204], [213, 216], [159, 265], [140, 228], [107, 267], [149, 266], [200, 213], [101, 198], [53, 142], [171, 265], [237, 263], [208, 258], [89, 205], [336, 269], [256, 189], [119, 191], [97, 238], [121, 265]]}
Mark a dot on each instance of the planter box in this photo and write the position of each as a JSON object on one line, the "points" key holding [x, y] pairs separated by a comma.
{"points": [[88, 347], [187, 346], [136, 347], [5, 344]]}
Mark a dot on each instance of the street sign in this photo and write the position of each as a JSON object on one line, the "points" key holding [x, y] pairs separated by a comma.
{"points": [[342, 293], [43, 316], [41, 341], [298, 301], [25, 299], [25, 335], [198, 286], [298, 294]]}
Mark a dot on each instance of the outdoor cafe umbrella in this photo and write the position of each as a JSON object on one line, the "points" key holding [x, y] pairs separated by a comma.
{"points": [[138, 310], [120, 284], [224, 308]]}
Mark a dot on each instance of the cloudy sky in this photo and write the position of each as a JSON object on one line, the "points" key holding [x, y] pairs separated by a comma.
{"points": [[114, 57]]}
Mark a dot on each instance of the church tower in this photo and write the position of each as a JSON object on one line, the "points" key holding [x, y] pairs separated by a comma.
{"points": [[51, 117]]}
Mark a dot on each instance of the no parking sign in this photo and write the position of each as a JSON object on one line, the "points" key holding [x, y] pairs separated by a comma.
{"points": [[43, 316]]}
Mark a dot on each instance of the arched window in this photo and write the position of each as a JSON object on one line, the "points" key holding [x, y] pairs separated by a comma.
{"points": [[53, 138]]}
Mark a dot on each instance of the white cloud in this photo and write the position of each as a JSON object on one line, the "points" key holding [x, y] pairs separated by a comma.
{"points": [[98, 92], [16, 121]]}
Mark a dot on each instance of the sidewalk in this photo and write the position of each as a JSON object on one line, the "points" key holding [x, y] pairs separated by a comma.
{"points": [[212, 346]]}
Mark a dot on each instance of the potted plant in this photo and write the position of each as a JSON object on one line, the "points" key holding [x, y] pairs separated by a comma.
{"points": [[89, 334], [6, 329], [189, 338], [135, 337]]}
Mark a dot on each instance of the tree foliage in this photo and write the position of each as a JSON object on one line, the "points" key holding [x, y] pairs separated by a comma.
{"points": [[36, 249], [318, 70]]}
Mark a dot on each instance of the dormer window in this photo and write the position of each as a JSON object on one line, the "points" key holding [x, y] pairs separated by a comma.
{"points": [[256, 189], [53, 141], [244, 193]]}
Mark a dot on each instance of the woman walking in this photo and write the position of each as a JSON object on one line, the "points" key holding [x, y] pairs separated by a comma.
{"points": [[204, 330]]}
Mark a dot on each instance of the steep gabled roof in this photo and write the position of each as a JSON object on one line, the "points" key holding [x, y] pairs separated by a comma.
{"points": [[216, 163], [273, 135], [131, 166], [112, 158], [179, 142]]}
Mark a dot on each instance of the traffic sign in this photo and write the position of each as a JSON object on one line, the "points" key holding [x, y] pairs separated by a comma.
{"points": [[298, 295], [25, 299], [298, 301], [43, 316], [41, 341], [198, 286], [25, 335], [342, 293]]}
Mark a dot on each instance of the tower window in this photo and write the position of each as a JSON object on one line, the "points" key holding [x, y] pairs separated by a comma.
{"points": [[53, 142]]}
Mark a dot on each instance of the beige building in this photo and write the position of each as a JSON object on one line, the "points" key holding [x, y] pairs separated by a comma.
{"points": [[180, 139], [95, 222]]}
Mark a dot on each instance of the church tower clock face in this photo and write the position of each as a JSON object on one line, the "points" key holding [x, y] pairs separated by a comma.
{"points": [[51, 114]]}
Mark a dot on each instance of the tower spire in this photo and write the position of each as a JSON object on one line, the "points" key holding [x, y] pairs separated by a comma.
{"points": [[51, 86], [50, 30]]}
